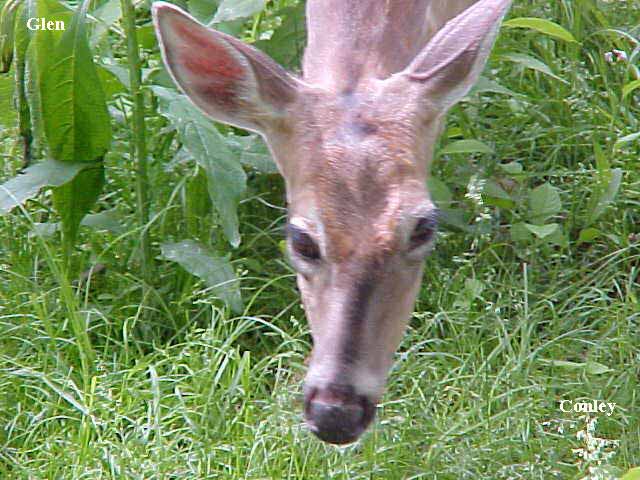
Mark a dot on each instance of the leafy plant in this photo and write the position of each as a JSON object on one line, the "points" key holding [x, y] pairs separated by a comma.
{"points": [[7, 21], [203, 142], [217, 272], [69, 113], [541, 25]]}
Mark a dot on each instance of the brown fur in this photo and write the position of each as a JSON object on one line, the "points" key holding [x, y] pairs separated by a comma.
{"points": [[351, 40]]}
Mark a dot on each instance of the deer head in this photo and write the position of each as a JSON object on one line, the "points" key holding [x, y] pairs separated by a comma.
{"points": [[353, 140]]}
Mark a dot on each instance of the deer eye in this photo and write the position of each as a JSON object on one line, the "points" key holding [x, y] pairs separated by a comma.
{"points": [[303, 244], [423, 231]]}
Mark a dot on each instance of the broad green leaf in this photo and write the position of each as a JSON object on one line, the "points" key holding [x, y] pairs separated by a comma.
{"points": [[27, 185], [455, 219], [38, 57], [74, 199], [120, 72], [630, 87], [633, 474], [147, 37], [528, 61], [544, 202], [257, 155], [157, 76], [287, 43], [216, 272], [542, 231], [8, 114], [605, 186], [111, 84], [608, 195], [226, 178], [8, 12], [513, 168], [439, 191], [253, 152], [232, 9], [104, 17], [44, 229], [520, 233], [72, 106], [485, 85], [107, 220], [197, 204], [542, 25], [588, 235], [493, 189], [466, 146], [558, 237], [494, 194], [22, 39], [203, 10]]}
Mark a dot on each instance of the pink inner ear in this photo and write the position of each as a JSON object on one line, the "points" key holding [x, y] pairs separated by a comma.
{"points": [[207, 66]]}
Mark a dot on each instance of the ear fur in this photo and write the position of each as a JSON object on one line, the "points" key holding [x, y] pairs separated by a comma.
{"points": [[229, 80], [450, 64]]}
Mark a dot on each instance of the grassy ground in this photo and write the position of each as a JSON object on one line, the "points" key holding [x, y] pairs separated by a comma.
{"points": [[104, 382]]}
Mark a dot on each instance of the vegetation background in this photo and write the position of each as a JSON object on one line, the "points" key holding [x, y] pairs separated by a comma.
{"points": [[150, 326]]}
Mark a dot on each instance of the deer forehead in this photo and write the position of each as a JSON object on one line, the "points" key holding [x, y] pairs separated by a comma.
{"points": [[360, 174], [355, 209], [357, 139], [365, 113]]}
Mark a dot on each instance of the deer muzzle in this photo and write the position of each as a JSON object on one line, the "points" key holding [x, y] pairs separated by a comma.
{"points": [[337, 414]]}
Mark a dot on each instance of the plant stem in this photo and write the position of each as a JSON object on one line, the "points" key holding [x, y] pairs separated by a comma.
{"points": [[25, 118], [139, 135]]}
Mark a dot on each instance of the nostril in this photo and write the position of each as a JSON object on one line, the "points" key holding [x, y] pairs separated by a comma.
{"points": [[335, 423], [336, 414]]}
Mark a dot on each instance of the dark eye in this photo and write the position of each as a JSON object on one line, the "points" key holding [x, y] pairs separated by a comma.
{"points": [[303, 244], [424, 230]]}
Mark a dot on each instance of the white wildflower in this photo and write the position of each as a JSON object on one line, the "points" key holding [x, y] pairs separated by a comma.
{"points": [[475, 188], [595, 450], [615, 56], [620, 55]]}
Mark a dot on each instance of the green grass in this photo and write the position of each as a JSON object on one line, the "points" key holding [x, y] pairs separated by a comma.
{"points": [[117, 381]]}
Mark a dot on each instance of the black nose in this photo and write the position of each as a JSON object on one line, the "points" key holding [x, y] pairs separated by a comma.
{"points": [[336, 414]]}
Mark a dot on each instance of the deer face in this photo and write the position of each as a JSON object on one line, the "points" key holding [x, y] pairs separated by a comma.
{"points": [[360, 225], [355, 163]]}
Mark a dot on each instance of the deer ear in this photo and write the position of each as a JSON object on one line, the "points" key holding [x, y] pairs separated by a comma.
{"points": [[229, 80], [450, 64]]}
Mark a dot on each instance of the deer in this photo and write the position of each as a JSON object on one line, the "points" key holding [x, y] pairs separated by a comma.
{"points": [[353, 137]]}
